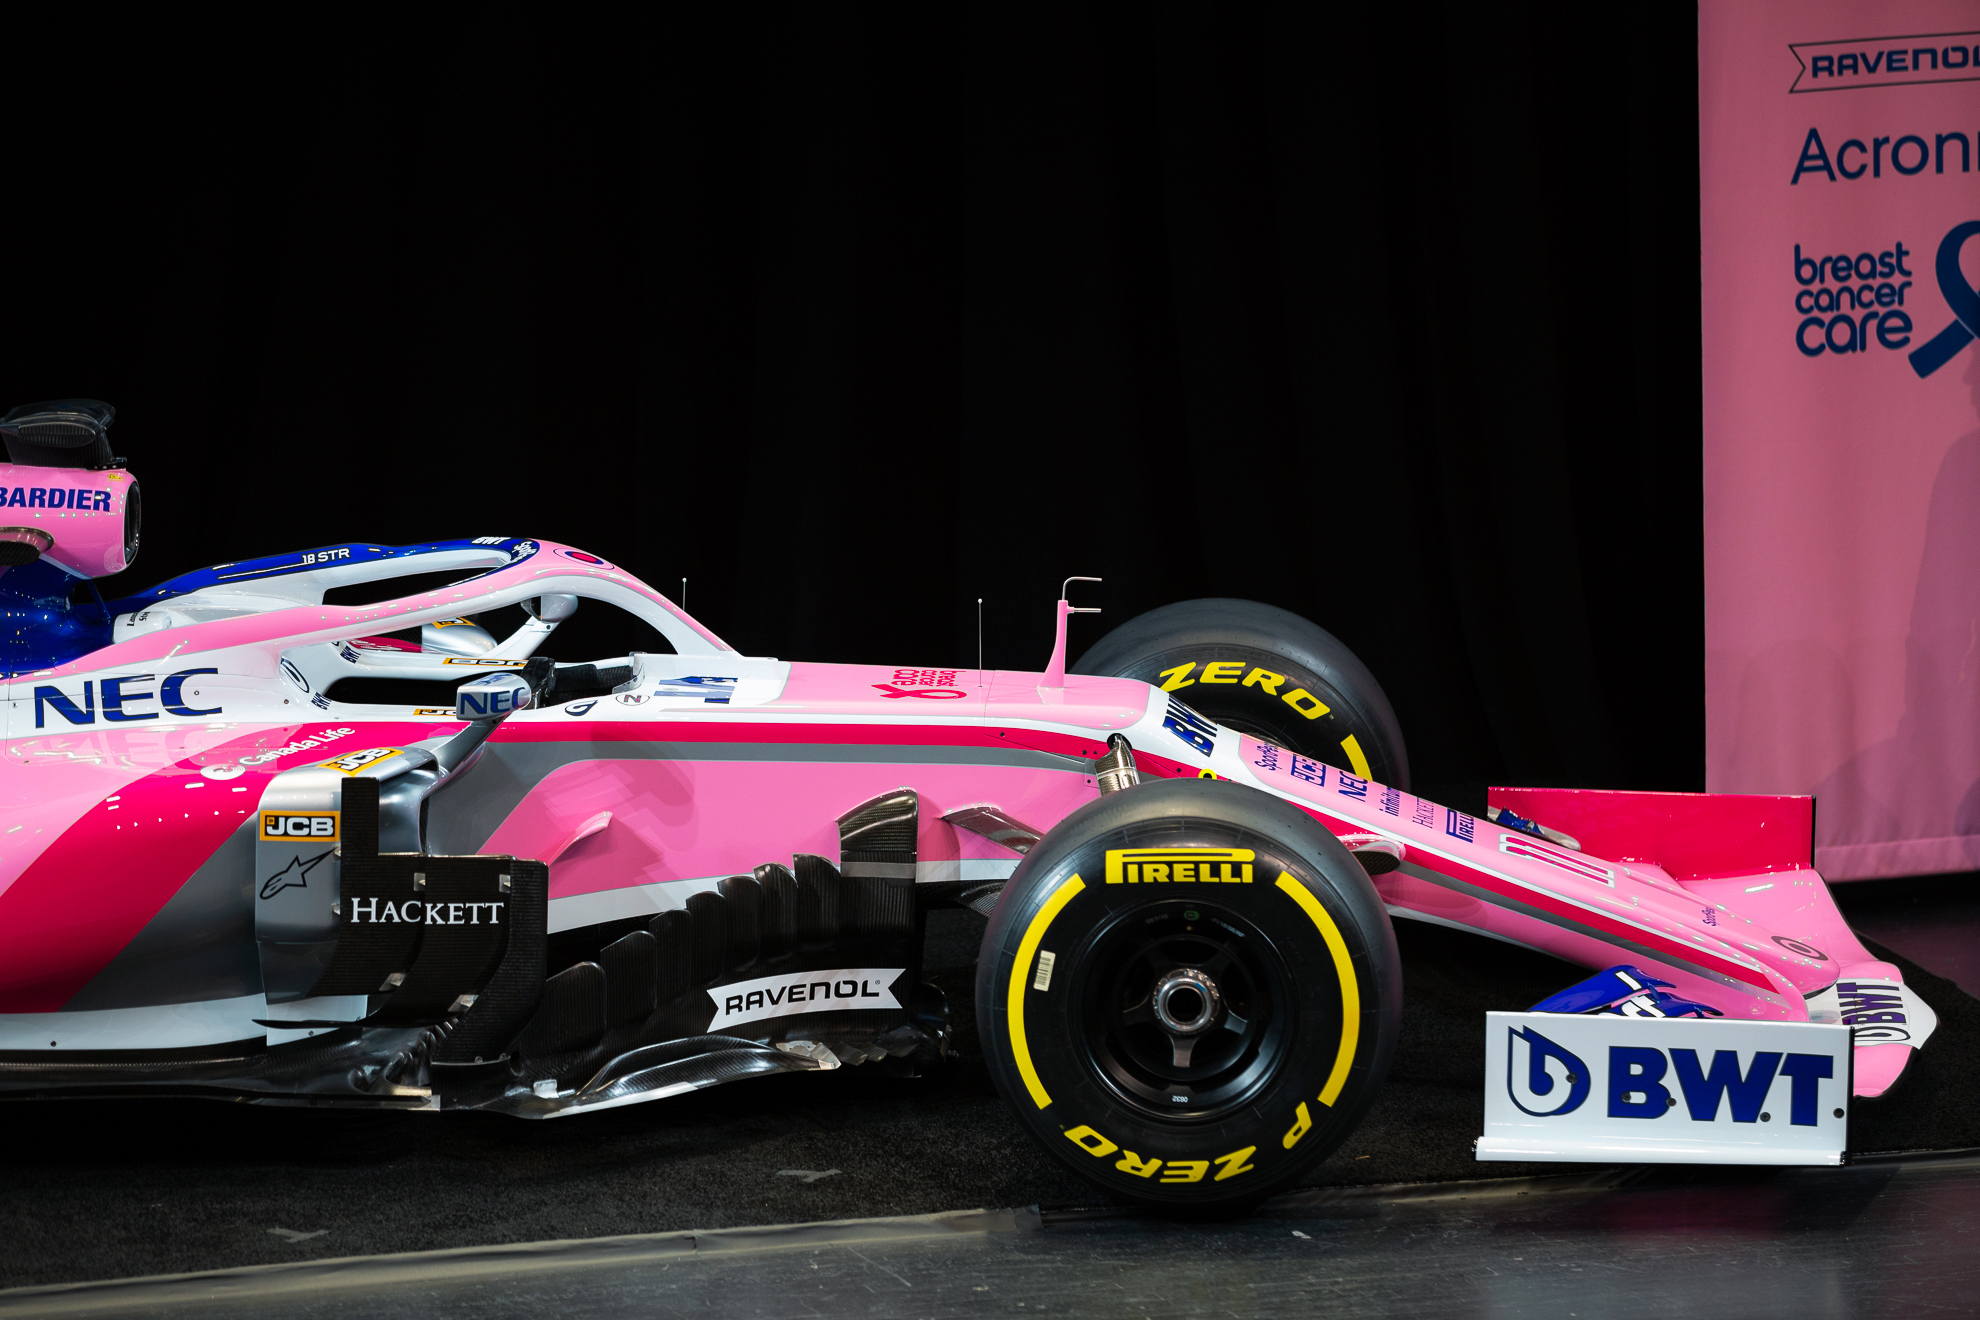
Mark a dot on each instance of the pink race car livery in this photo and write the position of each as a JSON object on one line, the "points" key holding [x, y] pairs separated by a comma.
{"points": [[265, 847]]}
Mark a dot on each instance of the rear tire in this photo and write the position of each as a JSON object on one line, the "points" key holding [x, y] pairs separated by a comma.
{"points": [[1194, 1045], [1263, 671]]}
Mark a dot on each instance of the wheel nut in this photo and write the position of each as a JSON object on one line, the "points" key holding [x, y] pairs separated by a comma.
{"points": [[1187, 1002]]}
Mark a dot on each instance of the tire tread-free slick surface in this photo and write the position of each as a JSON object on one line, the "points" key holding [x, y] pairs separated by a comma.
{"points": [[1263, 671], [1309, 923]]}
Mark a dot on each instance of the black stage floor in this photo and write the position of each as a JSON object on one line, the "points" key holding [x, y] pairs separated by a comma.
{"points": [[1877, 1238], [115, 1190]]}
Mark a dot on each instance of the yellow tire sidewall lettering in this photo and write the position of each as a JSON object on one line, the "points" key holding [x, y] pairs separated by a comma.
{"points": [[1091, 1142], [1314, 707], [1350, 986], [1177, 1172], [1302, 1125], [1265, 680], [1238, 1161], [1356, 757]]}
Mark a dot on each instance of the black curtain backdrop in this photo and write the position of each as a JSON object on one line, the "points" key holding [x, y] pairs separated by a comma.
{"points": [[853, 314]]}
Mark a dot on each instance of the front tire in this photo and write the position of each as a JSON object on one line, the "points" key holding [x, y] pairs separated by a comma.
{"points": [[1263, 671], [1189, 994]]}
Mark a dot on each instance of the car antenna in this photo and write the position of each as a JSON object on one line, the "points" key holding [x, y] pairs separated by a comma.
{"points": [[979, 640], [684, 593], [1055, 668]]}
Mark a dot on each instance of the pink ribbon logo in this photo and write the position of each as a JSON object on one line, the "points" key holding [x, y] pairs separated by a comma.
{"points": [[940, 694]]}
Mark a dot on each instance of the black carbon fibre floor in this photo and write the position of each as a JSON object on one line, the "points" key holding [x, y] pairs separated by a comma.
{"points": [[104, 1190]]}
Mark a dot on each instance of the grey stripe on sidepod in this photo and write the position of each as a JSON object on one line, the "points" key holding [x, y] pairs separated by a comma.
{"points": [[466, 813], [643, 901], [199, 946]]}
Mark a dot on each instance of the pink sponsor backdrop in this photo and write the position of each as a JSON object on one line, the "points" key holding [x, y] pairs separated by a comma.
{"points": [[1842, 491]]}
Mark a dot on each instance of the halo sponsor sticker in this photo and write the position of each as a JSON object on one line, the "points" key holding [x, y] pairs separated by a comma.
{"points": [[356, 761]]}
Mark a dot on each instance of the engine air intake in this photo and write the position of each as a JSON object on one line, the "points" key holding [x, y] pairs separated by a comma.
{"points": [[62, 433]]}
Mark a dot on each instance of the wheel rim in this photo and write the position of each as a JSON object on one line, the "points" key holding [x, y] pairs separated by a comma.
{"points": [[1186, 1010]]}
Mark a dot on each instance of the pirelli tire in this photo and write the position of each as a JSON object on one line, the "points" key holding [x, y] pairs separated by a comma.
{"points": [[1263, 671], [1088, 967]]}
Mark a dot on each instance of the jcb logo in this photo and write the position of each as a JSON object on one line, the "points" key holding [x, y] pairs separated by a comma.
{"points": [[283, 826], [357, 761], [1179, 866]]}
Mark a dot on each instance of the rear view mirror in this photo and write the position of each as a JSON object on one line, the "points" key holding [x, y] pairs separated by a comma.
{"points": [[552, 608]]}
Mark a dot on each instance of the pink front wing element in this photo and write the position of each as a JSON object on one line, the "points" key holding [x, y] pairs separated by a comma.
{"points": [[1688, 834], [1747, 856], [1877, 1067], [1778, 899], [1795, 905], [72, 909], [1582, 908], [686, 820]]}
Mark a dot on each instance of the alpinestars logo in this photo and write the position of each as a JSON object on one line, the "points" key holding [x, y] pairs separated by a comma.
{"points": [[293, 876]]}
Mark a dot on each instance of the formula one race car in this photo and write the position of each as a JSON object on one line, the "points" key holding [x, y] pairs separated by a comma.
{"points": [[263, 846]]}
